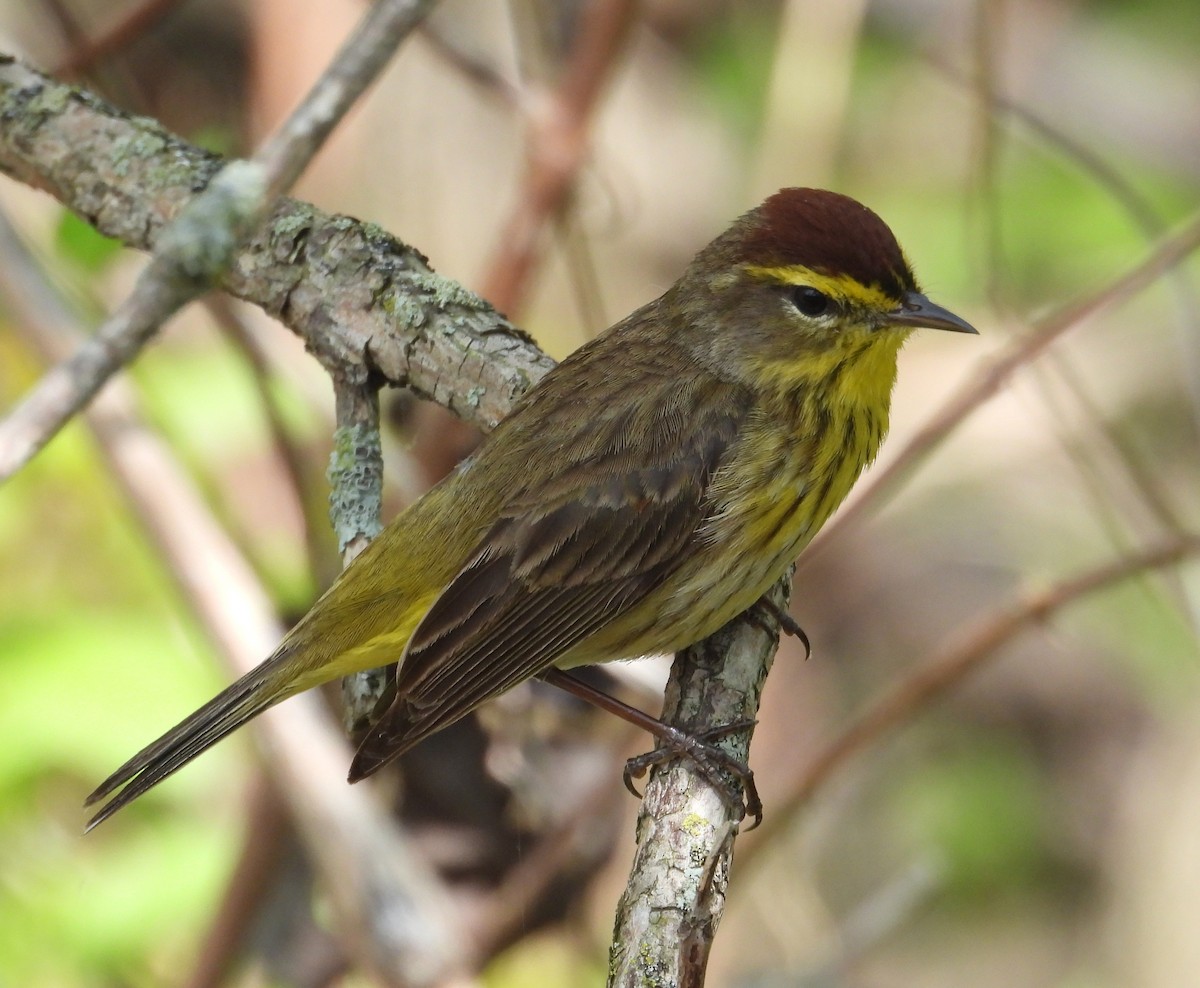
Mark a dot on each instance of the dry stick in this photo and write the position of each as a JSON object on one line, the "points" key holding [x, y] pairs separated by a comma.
{"points": [[557, 148], [668, 916], [989, 28], [527, 882], [175, 274], [967, 652], [199, 245], [191, 252], [993, 374], [667, 919], [475, 70], [391, 911], [355, 505], [1137, 206], [255, 871], [290, 454]]}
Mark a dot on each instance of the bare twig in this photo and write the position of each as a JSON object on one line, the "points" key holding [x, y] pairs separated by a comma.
{"points": [[287, 449], [529, 879], [120, 35], [958, 659], [191, 252], [557, 148], [264, 839], [989, 34], [355, 508], [484, 75], [392, 914], [352, 292], [668, 916]]}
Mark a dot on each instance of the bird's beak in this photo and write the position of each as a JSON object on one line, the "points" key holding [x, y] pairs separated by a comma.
{"points": [[917, 310]]}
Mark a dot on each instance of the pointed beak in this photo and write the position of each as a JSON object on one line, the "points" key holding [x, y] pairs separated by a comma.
{"points": [[916, 310]]}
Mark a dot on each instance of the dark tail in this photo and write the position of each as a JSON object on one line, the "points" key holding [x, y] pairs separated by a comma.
{"points": [[259, 689]]}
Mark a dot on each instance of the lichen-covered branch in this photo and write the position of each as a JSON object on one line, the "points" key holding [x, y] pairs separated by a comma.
{"points": [[351, 291], [675, 897]]}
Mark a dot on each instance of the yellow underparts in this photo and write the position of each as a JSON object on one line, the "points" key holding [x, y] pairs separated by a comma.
{"points": [[822, 419]]}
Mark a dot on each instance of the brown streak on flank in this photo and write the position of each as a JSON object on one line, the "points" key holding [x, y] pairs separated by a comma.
{"points": [[784, 517], [828, 233]]}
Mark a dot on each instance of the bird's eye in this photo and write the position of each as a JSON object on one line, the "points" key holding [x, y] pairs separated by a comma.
{"points": [[810, 302]]}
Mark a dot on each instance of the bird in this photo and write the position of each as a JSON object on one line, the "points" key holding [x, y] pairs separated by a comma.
{"points": [[648, 489]]}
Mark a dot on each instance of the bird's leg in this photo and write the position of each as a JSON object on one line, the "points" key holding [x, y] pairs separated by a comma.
{"points": [[697, 748], [765, 608]]}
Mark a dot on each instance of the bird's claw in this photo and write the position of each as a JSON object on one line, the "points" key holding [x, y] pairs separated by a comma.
{"points": [[787, 624], [714, 764]]}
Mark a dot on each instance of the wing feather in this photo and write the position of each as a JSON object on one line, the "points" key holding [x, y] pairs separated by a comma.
{"points": [[564, 559]]}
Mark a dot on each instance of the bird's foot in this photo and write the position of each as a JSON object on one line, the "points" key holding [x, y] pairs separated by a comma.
{"points": [[733, 779], [764, 610]]}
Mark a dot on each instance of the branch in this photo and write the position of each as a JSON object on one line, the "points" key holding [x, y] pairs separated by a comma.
{"points": [[354, 294], [200, 242], [123, 33], [960, 658], [557, 147], [348, 289], [675, 898], [390, 911], [189, 254]]}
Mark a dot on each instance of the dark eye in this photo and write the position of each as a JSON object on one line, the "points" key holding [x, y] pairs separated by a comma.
{"points": [[810, 302]]}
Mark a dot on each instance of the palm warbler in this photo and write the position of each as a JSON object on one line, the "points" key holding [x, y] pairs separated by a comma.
{"points": [[647, 490]]}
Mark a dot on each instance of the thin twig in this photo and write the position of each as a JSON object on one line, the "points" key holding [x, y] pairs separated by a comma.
{"points": [[668, 916], [557, 148], [286, 448], [348, 289], [392, 914], [355, 509], [1138, 207], [965, 653], [264, 839], [540, 867], [484, 75]]}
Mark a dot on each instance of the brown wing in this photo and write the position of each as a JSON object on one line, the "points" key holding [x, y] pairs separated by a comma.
{"points": [[565, 558]]}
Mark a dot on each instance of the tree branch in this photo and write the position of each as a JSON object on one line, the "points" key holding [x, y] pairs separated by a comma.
{"points": [[993, 374], [675, 898], [958, 659], [200, 241], [348, 289], [392, 914]]}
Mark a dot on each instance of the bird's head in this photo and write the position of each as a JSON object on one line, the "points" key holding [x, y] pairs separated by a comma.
{"points": [[804, 281]]}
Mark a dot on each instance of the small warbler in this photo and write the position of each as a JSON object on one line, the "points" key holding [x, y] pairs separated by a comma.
{"points": [[647, 490]]}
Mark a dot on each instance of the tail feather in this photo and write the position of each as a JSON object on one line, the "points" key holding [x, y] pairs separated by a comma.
{"points": [[259, 689]]}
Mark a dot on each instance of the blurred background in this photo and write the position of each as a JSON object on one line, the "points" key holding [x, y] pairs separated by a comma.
{"points": [[1037, 825]]}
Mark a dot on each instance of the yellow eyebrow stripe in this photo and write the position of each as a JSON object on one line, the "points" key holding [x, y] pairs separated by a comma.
{"points": [[835, 285]]}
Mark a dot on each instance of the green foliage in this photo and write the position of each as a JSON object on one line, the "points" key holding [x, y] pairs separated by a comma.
{"points": [[83, 690], [84, 246], [981, 804]]}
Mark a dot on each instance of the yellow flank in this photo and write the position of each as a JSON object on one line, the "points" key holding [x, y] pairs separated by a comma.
{"points": [[382, 649], [773, 495]]}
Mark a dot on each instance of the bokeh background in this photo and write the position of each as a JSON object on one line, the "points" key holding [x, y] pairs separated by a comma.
{"points": [[1038, 826]]}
